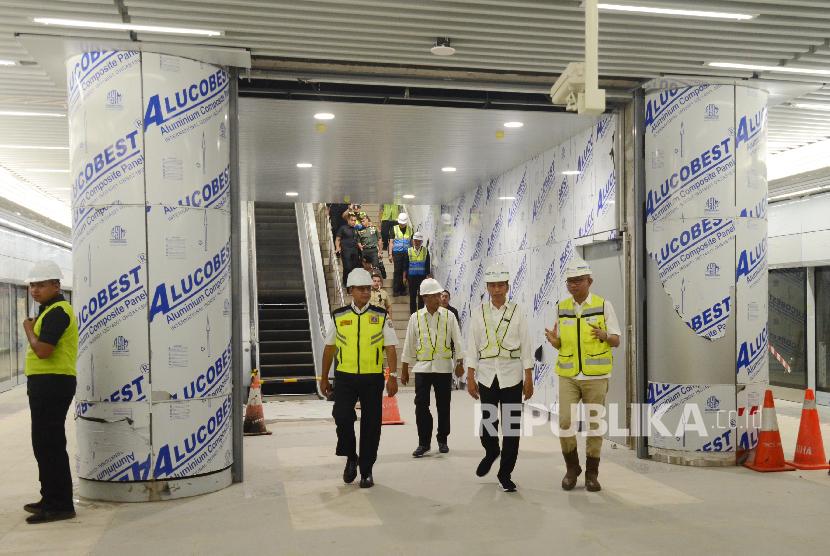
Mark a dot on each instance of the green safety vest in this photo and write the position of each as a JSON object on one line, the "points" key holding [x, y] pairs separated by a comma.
{"points": [[359, 339], [442, 348], [417, 261], [497, 345], [580, 351], [402, 239], [62, 360]]}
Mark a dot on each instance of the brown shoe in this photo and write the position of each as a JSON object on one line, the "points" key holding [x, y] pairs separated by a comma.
{"points": [[591, 472], [574, 470]]}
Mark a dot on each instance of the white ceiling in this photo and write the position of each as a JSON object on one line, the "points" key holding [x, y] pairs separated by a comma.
{"points": [[529, 38]]}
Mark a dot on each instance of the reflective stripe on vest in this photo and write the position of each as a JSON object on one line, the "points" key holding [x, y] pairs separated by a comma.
{"points": [[402, 239], [495, 338], [359, 340], [64, 356], [441, 348], [417, 261], [580, 351]]}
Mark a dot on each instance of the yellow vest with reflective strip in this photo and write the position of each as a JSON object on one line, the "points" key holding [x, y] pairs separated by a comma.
{"points": [[427, 350], [580, 351], [62, 360], [496, 336], [359, 340]]}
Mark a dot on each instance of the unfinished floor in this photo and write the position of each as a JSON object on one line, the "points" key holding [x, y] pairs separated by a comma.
{"points": [[293, 501]]}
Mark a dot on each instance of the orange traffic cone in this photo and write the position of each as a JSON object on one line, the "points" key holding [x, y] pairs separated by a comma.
{"points": [[391, 414], [769, 455], [254, 416], [809, 448]]}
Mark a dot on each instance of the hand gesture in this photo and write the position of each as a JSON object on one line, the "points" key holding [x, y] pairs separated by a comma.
{"points": [[598, 332], [459, 370], [325, 386], [29, 324], [404, 376], [553, 335]]}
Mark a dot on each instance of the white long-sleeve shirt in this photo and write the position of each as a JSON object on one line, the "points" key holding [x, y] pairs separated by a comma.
{"points": [[508, 370], [410, 345]]}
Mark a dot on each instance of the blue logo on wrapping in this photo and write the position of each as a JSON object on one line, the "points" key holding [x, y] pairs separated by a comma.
{"points": [[712, 403], [710, 112], [118, 235], [712, 205], [120, 346], [712, 270]]}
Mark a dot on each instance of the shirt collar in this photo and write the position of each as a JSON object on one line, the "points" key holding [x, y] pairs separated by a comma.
{"points": [[502, 308], [587, 300], [52, 301], [359, 311]]}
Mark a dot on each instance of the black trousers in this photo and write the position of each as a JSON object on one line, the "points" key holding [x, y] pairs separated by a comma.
{"points": [[442, 383], [415, 300], [508, 400], [368, 389], [350, 260], [372, 253], [386, 232], [49, 399], [401, 265]]}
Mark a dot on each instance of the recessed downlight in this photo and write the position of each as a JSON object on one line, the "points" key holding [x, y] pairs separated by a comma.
{"points": [[323, 116], [571, 173], [304, 165], [513, 125], [85, 24], [442, 47], [409, 196], [8, 63], [291, 193], [774, 69], [506, 198], [32, 114], [448, 169]]}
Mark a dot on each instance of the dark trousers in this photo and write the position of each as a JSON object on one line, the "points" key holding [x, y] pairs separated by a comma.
{"points": [[442, 383], [368, 389], [386, 232], [372, 253], [401, 265], [415, 300], [508, 400], [49, 399], [350, 260]]}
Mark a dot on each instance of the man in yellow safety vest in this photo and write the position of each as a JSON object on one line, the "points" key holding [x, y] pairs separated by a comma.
{"points": [[585, 330], [398, 247]]}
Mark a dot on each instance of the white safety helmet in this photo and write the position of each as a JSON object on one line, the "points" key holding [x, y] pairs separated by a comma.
{"points": [[359, 277], [577, 267], [496, 273], [403, 218], [44, 270], [430, 286], [418, 236]]}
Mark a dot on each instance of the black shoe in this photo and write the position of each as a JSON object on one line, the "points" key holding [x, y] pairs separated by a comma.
{"points": [[367, 482], [420, 451], [46, 516], [350, 472], [34, 507], [507, 485], [443, 448], [486, 463]]}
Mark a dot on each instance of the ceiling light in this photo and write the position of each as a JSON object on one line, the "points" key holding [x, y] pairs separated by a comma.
{"points": [[780, 69], [46, 170], [442, 47], [571, 173], [506, 198], [304, 165], [24, 113], [126, 27], [323, 116], [513, 124], [8, 63], [671, 11], [408, 196], [291, 193], [448, 169], [39, 147], [810, 106]]}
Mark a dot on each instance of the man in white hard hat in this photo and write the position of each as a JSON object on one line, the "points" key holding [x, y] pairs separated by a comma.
{"points": [[417, 271], [499, 363], [358, 336], [401, 241], [585, 330], [50, 375], [430, 336]]}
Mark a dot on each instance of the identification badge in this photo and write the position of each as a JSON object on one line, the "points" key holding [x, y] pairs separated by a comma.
{"points": [[374, 320], [346, 322], [567, 323]]}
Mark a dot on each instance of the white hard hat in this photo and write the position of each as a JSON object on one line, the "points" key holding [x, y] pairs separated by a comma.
{"points": [[359, 277], [430, 286], [418, 235], [403, 218], [577, 267], [44, 270], [496, 273]]}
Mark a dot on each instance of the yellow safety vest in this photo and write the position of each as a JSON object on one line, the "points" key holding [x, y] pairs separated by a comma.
{"points": [[359, 339], [442, 348], [496, 338], [402, 239], [580, 351], [63, 358], [417, 261]]}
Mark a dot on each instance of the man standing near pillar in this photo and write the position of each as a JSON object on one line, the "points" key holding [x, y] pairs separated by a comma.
{"points": [[358, 335], [585, 330], [430, 336], [50, 375], [498, 354], [419, 268], [401, 241]]}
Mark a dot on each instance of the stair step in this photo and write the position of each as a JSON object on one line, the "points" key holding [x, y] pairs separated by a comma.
{"points": [[288, 312], [284, 336], [278, 346], [278, 370], [289, 379], [285, 357], [283, 324], [302, 388]]}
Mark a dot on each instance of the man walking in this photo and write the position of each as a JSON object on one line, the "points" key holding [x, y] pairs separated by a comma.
{"points": [[419, 268], [50, 374], [345, 246], [388, 216], [358, 335], [379, 297], [401, 242], [585, 330], [498, 354], [368, 239], [430, 336]]}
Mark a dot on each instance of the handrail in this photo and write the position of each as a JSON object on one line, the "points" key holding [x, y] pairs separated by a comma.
{"points": [[333, 260]]}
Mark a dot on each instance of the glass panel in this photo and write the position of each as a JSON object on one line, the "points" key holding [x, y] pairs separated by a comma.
{"points": [[22, 300], [823, 329], [5, 339], [788, 327]]}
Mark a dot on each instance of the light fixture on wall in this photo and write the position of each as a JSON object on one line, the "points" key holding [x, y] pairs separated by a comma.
{"points": [[448, 169], [323, 116], [109, 26], [673, 11], [774, 69], [304, 165], [442, 47], [513, 125]]}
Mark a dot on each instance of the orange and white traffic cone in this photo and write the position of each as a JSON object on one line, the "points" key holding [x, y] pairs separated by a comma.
{"points": [[391, 414], [254, 424], [809, 448], [769, 455]]}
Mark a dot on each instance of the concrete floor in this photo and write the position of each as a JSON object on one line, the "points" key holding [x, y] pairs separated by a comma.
{"points": [[293, 501]]}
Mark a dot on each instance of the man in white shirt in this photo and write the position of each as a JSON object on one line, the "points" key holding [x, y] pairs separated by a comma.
{"points": [[431, 335], [499, 369], [357, 337], [585, 330]]}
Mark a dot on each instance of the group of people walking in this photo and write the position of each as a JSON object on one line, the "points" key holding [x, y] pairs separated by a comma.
{"points": [[499, 365]]}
